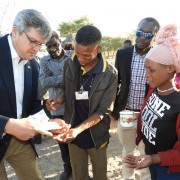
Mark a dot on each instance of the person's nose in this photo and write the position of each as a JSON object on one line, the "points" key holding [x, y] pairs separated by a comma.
{"points": [[37, 48], [79, 57], [52, 49], [142, 37], [146, 74]]}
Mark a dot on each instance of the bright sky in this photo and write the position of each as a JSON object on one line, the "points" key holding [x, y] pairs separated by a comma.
{"points": [[112, 17]]}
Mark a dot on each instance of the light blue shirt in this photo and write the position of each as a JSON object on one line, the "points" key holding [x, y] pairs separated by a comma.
{"points": [[54, 84]]}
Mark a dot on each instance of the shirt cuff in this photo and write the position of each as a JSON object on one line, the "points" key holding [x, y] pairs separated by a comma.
{"points": [[3, 121]]}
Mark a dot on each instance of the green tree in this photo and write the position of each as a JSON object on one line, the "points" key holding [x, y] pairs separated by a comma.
{"points": [[71, 27], [111, 44], [131, 36]]}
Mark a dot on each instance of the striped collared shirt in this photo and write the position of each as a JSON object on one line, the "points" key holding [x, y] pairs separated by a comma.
{"points": [[137, 83]]}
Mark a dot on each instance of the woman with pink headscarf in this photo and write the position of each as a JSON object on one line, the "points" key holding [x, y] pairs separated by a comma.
{"points": [[159, 122]]}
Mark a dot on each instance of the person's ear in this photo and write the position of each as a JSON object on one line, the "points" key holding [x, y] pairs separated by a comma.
{"points": [[170, 68], [14, 31], [99, 48]]}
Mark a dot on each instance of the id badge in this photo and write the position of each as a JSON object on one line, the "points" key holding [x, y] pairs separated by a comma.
{"points": [[81, 95]]}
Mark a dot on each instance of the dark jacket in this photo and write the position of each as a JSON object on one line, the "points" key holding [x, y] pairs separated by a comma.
{"points": [[101, 98], [123, 65], [31, 104]]}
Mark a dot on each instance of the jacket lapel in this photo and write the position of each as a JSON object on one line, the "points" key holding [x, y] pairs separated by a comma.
{"points": [[6, 71], [27, 84]]}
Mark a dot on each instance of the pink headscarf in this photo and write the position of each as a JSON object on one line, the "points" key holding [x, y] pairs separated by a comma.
{"points": [[167, 50]]}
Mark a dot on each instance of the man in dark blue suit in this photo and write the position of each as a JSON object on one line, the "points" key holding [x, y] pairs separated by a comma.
{"points": [[18, 93]]}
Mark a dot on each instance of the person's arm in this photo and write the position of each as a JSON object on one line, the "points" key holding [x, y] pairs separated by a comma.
{"points": [[140, 162], [23, 129], [171, 157], [48, 80], [91, 121], [106, 103], [71, 134], [54, 103]]}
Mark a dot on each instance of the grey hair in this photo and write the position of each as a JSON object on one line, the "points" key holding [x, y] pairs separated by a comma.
{"points": [[31, 18]]}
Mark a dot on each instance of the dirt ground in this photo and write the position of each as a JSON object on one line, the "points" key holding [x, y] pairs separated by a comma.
{"points": [[51, 165]]}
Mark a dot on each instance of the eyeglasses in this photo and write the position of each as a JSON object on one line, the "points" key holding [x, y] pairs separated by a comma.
{"points": [[33, 43], [146, 35]]}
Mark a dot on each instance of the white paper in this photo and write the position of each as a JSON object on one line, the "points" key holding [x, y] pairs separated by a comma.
{"points": [[39, 117], [51, 126], [42, 119]]}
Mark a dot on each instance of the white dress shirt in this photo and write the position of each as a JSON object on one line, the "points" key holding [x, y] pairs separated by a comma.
{"points": [[18, 70]]}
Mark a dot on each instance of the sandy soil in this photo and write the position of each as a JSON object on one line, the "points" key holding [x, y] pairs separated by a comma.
{"points": [[51, 165]]}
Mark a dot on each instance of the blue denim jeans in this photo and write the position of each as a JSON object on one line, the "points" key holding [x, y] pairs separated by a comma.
{"points": [[161, 173]]}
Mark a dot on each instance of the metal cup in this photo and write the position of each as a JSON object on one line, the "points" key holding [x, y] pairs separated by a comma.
{"points": [[126, 118]]}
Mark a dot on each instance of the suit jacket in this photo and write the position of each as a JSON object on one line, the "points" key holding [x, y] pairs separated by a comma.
{"points": [[123, 64], [31, 104]]}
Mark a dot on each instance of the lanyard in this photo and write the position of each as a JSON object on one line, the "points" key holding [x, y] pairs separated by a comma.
{"points": [[83, 84]]}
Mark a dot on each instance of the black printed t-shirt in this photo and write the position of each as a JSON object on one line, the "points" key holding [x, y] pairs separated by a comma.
{"points": [[159, 118]]}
